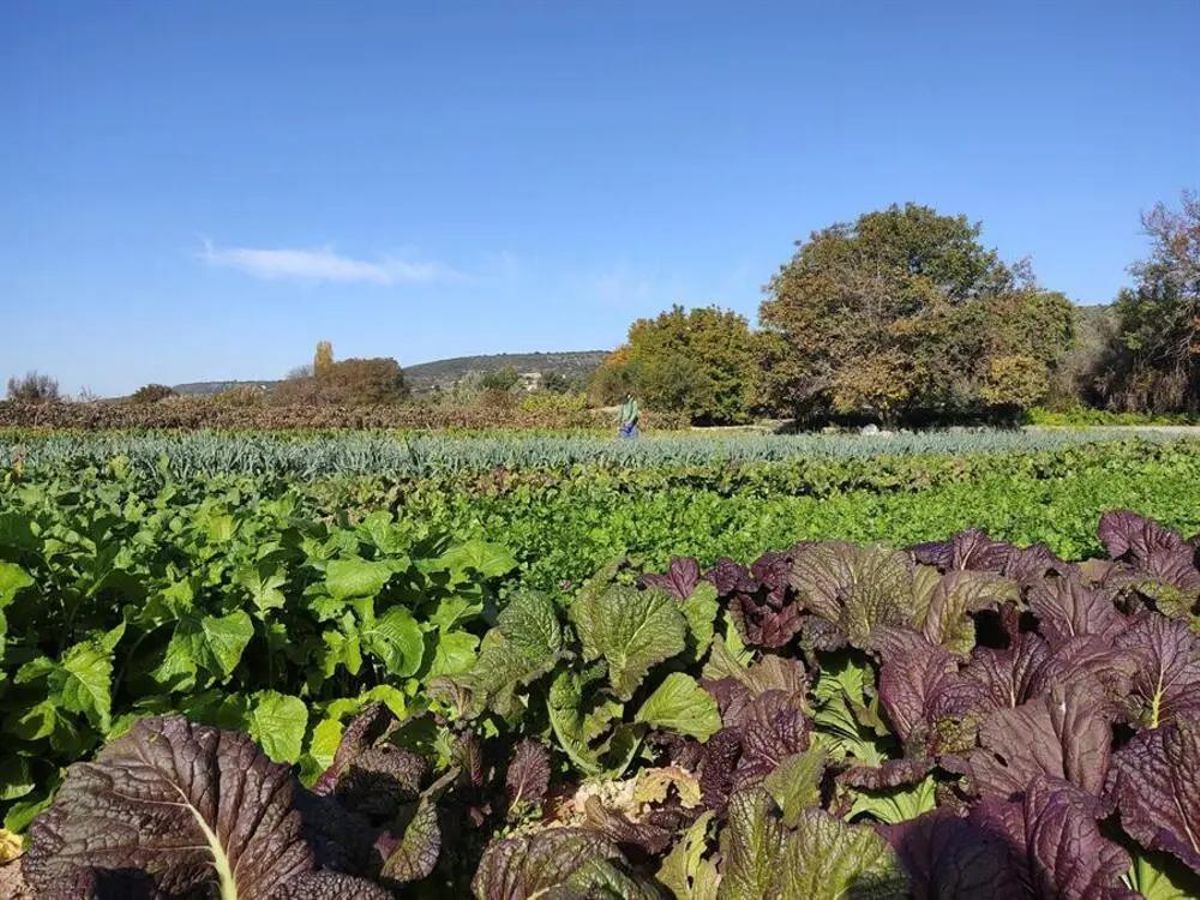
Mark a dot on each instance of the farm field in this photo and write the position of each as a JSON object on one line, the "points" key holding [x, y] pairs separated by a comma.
{"points": [[323, 454], [660, 648]]}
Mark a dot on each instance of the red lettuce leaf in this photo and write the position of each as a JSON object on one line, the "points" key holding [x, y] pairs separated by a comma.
{"points": [[557, 862], [950, 858], [1166, 684], [1009, 676], [360, 735], [190, 806], [1152, 552], [1053, 836], [1155, 782], [920, 686], [679, 580], [528, 776], [1066, 608], [1066, 735]]}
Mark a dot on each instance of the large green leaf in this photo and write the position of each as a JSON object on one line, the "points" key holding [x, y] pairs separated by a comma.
{"points": [[795, 784], [396, 639], [85, 683], [15, 778], [277, 722], [752, 845], [524, 645], [347, 579], [700, 609], [588, 729], [454, 653], [263, 581], [685, 871], [1159, 876], [488, 560], [12, 579], [210, 644], [631, 630], [897, 804], [679, 704], [827, 859], [822, 858]]}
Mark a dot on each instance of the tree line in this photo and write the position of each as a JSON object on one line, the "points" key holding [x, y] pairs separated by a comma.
{"points": [[904, 316], [901, 317]]}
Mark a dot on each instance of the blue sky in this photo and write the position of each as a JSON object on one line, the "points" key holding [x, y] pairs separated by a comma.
{"points": [[202, 190]]}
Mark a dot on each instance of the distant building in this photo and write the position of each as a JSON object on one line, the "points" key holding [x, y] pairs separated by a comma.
{"points": [[530, 381]]}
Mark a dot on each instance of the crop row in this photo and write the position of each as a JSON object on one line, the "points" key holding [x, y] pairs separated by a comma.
{"points": [[409, 454], [960, 719]]}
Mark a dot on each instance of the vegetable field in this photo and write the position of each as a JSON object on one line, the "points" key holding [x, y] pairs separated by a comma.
{"points": [[350, 666]]}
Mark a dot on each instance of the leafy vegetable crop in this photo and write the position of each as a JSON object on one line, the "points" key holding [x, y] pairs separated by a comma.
{"points": [[237, 609], [960, 719], [418, 454]]}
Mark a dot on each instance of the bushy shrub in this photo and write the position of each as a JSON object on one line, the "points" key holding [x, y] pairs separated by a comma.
{"points": [[505, 379], [543, 401], [496, 399], [348, 382], [243, 395], [152, 393]]}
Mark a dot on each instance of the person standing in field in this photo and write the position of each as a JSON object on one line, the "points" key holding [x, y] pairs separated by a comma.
{"points": [[629, 417]]}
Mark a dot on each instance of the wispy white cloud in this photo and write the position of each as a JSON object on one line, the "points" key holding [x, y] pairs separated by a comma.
{"points": [[323, 264]]}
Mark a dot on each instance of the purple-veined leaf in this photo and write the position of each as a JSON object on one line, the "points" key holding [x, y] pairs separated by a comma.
{"points": [[192, 807], [1155, 783]]}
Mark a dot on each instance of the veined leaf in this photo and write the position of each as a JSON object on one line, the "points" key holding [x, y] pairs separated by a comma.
{"points": [[12, 579], [700, 609], [278, 722], [795, 784], [524, 645], [566, 704], [488, 560], [894, 805], [85, 685], [347, 579], [396, 639], [222, 813], [685, 871], [679, 704], [631, 630], [454, 653]]}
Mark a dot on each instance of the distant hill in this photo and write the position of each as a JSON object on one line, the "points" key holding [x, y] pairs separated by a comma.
{"points": [[443, 373], [207, 388]]}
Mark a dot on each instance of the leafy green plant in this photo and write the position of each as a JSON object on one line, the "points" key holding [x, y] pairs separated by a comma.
{"points": [[235, 607]]}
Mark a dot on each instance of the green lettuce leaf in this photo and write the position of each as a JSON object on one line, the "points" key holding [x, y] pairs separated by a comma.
{"points": [[679, 704]]}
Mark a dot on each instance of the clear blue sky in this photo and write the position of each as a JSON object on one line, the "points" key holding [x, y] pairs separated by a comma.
{"points": [[202, 190]]}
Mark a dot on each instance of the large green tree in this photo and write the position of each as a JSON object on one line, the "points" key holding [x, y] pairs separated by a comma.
{"points": [[1154, 361], [905, 313], [701, 362]]}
